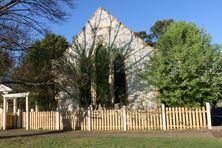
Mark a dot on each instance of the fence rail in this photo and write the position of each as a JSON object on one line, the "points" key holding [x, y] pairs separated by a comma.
{"points": [[118, 119]]}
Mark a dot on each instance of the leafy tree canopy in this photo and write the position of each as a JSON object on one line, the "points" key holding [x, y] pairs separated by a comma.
{"points": [[37, 73], [185, 68], [158, 29]]}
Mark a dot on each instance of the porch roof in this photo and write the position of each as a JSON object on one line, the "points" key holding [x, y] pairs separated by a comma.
{"points": [[4, 89]]}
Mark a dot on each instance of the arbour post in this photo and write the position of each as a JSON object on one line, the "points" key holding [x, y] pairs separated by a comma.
{"points": [[208, 116], [7, 106], [164, 117], [14, 105], [124, 117]]}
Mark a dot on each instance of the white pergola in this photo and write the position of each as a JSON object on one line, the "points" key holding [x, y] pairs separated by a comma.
{"points": [[14, 96]]}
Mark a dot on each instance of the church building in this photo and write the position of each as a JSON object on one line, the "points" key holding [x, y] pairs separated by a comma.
{"points": [[128, 56]]}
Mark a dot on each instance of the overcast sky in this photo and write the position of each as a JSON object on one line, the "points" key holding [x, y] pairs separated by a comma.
{"points": [[140, 15]]}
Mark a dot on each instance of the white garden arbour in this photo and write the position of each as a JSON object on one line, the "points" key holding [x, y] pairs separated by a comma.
{"points": [[15, 96]]}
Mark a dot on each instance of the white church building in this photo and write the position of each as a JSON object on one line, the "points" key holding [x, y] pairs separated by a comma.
{"points": [[103, 28]]}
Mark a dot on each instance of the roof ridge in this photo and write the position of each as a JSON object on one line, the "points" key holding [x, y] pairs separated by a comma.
{"points": [[102, 9]]}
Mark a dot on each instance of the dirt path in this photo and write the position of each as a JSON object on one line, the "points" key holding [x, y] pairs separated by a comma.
{"points": [[175, 133]]}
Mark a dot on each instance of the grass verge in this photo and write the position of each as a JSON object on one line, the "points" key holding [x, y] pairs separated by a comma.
{"points": [[109, 142]]}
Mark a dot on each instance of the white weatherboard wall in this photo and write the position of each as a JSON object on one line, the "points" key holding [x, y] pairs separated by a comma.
{"points": [[103, 28]]}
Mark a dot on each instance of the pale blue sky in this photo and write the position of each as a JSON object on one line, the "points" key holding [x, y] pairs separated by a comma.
{"points": [[140, 15]]}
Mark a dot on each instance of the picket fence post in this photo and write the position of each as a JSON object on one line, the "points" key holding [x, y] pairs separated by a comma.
{"points": [[164, 117], [208, 116], [27, 115], [124, 117], [89, 118], [57, 120]]}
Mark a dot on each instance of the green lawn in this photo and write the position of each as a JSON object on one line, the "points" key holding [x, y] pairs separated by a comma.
{"points": [[113, 142]]}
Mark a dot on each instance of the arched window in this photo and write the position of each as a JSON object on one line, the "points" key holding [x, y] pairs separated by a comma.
{"points": [[102, 65]]}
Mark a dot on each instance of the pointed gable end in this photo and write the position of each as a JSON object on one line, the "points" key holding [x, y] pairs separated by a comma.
{"points": [[103, 28]]}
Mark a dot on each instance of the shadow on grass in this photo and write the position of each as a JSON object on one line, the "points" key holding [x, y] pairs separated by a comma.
{"points": [[22, 133]]}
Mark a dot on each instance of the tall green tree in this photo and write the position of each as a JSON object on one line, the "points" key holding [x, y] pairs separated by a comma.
{"points": [[186, 68], [158, 29], [38, 72]]}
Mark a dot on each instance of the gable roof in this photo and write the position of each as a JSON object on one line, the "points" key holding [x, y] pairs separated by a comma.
{"points": [[95, 20], [103, 28], [100, 10], [4, 88]]}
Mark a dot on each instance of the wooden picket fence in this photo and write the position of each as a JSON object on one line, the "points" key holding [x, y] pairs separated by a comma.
{"points": [[73, 120], [106, 119], [186, 118], [23, 117], [10, 120], [40, 120], [112, 119], [148, 119], [118, 119]]}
